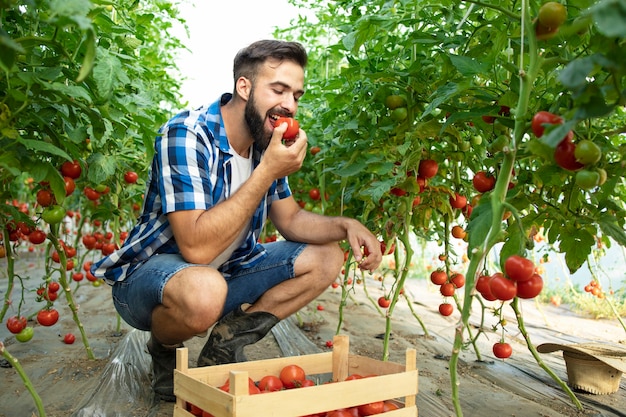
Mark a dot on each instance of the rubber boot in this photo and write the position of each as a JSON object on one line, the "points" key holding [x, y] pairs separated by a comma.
{"points": [[234, 331], [163, 364]]}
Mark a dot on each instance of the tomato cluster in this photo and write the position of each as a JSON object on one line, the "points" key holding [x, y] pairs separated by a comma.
{"points": [[594, 288], [581, 156], [518, 280], [293, 376], [447, 286]]}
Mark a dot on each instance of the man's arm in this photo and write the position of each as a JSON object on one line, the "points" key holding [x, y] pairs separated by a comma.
{"points": [[202, 235], [300, 225]]}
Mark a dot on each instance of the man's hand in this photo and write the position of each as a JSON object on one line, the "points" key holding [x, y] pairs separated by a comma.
{"points": [[282, 159], [359, 236]]}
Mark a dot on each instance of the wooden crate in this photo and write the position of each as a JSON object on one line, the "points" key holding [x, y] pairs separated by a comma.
{"points": [[392, 381]]}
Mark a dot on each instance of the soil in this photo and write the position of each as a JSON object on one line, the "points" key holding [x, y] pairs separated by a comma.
{"points": [[116, 382]]}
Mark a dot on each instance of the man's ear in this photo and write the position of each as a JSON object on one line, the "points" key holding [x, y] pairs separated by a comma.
{"points": [[243, 88]]}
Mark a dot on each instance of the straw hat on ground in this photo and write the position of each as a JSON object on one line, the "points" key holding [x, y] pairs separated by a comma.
{"points": [[592, 367]]}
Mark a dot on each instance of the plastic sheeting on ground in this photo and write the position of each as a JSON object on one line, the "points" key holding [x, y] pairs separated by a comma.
{"points": [[124, 387]]}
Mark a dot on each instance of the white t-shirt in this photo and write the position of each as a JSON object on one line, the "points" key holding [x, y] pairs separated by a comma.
{"points": [[241, 168]]}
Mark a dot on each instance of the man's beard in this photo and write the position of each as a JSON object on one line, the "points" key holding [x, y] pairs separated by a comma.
{"points": [[256, 124]]}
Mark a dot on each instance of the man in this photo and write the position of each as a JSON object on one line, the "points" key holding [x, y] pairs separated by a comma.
{"points": [[193, 260]]}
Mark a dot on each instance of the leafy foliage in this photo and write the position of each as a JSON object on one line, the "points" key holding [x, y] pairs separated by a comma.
{"points": [[455, 63]]}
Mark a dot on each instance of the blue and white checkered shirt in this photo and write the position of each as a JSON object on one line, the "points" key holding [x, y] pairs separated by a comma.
{"points": [[190, 170]]}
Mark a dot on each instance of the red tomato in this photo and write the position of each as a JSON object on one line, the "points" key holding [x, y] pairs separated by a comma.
{"points": [[564, 154], [438, 277], [398, 192], [310, 382], [69, 339], [457, 279], [37, 236], [339, 413], [384, 302], [89, 241], [314, 193], [458, 201], [131, 177], [542, 118], [91, 194], [501, 287], [292, 376], [447, 289], [47, 317], [390, 405], [519, 268], [371, 408], [45, 198], [54, 286], [354, 376], [293, 127], [445, 309], [502, 350], [70, 186], [483, 181], [78, 276], [16, 324], [71, 169], [270, 383], [428, 168], [531, 287]]}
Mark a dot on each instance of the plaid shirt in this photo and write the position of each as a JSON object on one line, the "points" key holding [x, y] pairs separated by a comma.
{"points": [[190, 170]]}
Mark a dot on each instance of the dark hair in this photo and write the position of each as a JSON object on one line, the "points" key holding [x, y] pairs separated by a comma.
{"points": [[248, 59]]}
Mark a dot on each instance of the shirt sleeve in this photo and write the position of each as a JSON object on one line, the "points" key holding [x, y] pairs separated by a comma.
{"points": [[185, 163]]}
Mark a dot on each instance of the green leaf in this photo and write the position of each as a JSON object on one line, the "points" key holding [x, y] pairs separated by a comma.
{"points": [[41, 146], [440, 96], [101, 167], [576, 243], [467, 66], [609, 227], [479, 224], [610, 17]]}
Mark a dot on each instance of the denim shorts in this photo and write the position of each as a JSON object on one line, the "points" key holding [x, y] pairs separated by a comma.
{"points": [[136, 296]]}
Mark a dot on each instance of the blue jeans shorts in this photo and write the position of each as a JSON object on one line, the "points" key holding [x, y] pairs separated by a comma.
{"points": [[136, 296]]}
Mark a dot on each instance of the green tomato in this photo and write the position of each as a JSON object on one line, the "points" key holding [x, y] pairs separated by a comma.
{"points": [[587, 152], [25, 335], [587, 179], [603, 175], [53, 214], [399, 114], [394, 101], [477, 140]]}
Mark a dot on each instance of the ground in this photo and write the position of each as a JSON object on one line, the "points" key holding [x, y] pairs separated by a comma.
{"points": [[116, 382]]}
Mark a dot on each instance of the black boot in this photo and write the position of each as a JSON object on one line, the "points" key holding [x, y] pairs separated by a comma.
{"points": [[163, 364], [234, 331]]}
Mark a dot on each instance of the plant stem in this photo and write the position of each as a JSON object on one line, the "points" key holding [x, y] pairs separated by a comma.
{"points": [[29, 386], [540, 362], [67, 289], [10, 275]]}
